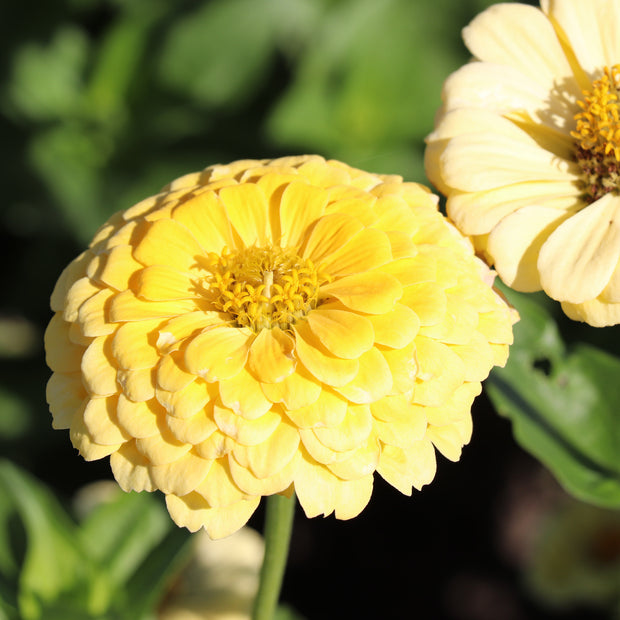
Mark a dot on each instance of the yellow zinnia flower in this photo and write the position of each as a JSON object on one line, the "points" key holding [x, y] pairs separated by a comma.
{"points": [[273, 326], [527, 150]]}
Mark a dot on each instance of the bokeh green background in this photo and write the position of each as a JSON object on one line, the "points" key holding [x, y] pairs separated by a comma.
{"points": [[102, 102]]}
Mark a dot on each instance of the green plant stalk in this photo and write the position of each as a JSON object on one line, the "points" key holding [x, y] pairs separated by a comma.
{"points": [[277, 534]]}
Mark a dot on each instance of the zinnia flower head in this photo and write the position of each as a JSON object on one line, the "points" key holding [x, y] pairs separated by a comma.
{"points": [[273, 326], [527, 150]]}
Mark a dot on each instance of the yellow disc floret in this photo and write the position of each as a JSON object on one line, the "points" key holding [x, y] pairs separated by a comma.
{"points": [[264, 287], [598, 135]]}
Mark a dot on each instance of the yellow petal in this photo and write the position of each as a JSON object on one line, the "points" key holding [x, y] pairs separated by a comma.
{"points": [[101, 422], [176, 329], [134, 344], [99, 368], [74, 271], [115, 267], [84, 443], [427, 300], [163, 283], [181, 476], [578, 259], [193, 512], [594, 312], [352, 432], [515, 245], [372, 382], [243, 394], [396, 328], [345, 334], [326, 367], [172, 374], [166, 242], [440, 372], [415, 466], [252, 485], [328, 410], [186, 402], [299, 389], [267, 458], [272, 357], [368, 249], [403, 367], [206, 217], [218, 353], [131, 469], [141, 419], [162, 448], [126, 306], [137, 385], [457, 408], [361, 463], [477, 356], [93, 315], [65, 395], [247, 209], [219, 488], [329, 234], [77, 294], [61, 355], [300, 207], [193, 430], [373, 292], [215, 446], [246, 432], [447, 440]]}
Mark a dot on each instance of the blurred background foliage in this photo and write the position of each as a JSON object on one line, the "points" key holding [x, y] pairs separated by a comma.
{"points": [[102, 102]]}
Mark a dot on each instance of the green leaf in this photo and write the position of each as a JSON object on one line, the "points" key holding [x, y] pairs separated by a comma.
{"points": [[218, 53], [41, 546], [563, 403]]}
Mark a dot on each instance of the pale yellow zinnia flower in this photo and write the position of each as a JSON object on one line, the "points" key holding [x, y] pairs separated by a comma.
{"points": [[527, 150], [273, 326]]}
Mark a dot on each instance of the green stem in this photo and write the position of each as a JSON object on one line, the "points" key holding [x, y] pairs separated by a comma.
{"points": [[277, 534]]}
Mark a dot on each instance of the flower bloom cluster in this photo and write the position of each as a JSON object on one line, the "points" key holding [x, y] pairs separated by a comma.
{"points": [[527, 150], [273, 326]]}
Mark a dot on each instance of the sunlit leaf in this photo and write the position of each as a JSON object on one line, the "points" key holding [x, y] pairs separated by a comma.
{"points": [[563, 403]]}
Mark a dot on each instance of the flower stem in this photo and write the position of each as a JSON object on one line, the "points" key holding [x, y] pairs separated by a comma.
{"points": [[277, 534]]}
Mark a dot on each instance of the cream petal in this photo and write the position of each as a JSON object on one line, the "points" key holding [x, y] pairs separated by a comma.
{"points": [[272, 358], [326, 367], [345, 334], [515, 245], [519, 36], [477, 213], [206, 217], [300, 207], [166, 242], [247, 209], [590, 30], [578, 259], [373, 292], [594, 312], [218, 353], [372, 382], [243, 394]]}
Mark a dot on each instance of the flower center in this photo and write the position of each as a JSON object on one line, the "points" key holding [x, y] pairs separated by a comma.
{"points": [[597, 133], [264, 287]]}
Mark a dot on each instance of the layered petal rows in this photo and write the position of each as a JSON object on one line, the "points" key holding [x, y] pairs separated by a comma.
{"points": [[273, 326], [527, 150]]}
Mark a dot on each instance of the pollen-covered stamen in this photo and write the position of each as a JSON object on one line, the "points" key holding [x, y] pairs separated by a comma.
{"points": [[263, 287], [597, 150]]}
